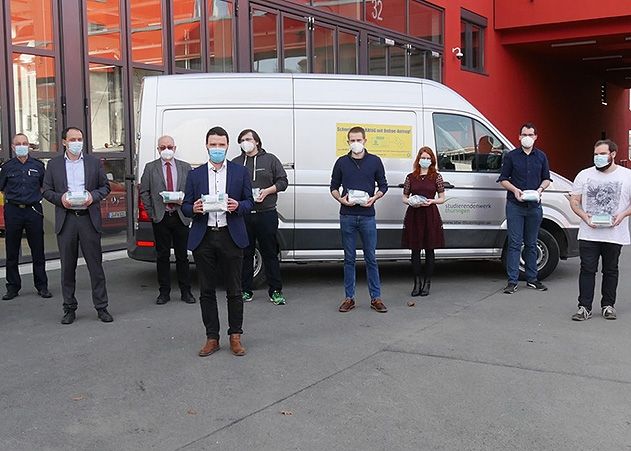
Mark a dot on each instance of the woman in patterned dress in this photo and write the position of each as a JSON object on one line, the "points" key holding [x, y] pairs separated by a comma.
{"points": [[422, 226]]}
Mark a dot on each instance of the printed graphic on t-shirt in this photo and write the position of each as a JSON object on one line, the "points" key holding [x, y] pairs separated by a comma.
{"points": [[603, 198]]}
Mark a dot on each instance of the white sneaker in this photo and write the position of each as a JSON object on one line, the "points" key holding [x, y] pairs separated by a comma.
{"points": [[582, 314], [609, 312]]}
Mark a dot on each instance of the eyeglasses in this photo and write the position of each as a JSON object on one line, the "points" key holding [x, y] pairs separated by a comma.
{"points": [[166, 147]]}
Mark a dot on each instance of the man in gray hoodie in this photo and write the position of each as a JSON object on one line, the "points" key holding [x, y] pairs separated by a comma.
{"points": [[268, 179]]}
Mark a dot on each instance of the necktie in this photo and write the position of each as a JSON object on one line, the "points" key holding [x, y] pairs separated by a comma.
{"points": [[169, 184]]}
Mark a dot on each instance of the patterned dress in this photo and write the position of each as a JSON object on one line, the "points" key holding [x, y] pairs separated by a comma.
{"points": [[422, 226]]}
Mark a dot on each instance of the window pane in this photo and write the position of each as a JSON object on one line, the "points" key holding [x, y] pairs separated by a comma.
{"points": [[377, 58], [345, 8], [490, 149], [323, 50], [434, 67], [138, 76], [347, 49], [295, 51], [387, 13], [186, 34], [106, 108], [104, 38], [463, 43], [397, 61], [35, 100], [476, 47], [146, 32], [221, 42], [454, 141], [32, 23], [426, 22], [264, 48], [417, 63]]}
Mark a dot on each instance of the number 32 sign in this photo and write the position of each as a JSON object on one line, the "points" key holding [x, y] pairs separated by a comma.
{"points": [[377, 10]]}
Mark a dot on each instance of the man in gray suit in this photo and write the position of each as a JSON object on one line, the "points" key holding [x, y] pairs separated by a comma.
{"points": [[169, 223], [78, 222]]}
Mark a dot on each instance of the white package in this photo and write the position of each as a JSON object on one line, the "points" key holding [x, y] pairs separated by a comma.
{"points": [[215, 202], [416, 199], [77, 199], [602, 220], [357, 197], [172, 196], [530, 195], [256, 192]]}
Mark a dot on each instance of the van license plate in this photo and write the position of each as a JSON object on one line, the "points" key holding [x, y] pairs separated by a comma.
{"points": [[117, 214]]}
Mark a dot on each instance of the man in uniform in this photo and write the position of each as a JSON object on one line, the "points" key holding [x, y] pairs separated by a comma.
{"points": [[21, 181]]}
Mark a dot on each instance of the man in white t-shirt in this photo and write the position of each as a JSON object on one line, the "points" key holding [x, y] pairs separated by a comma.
{"points": [[601, 197]]}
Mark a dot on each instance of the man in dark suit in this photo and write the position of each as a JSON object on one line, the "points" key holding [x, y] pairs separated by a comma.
{"points": [[169, 223], [78, 222], [217, 238]]}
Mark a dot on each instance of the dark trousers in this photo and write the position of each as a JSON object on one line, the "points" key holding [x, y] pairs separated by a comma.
{"points": [[217, 250], [78, 231], [171, 231], [590, 252], [17, 220], [430, 258], [262, 227]]}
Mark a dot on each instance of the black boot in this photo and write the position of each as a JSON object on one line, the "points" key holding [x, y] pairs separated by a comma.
{"points": [[427, 283], [416, 291]]}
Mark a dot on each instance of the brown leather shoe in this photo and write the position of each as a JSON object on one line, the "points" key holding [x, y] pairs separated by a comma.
{"points": [[347, 305], [212, 345], [377, 305], [235, 345]]}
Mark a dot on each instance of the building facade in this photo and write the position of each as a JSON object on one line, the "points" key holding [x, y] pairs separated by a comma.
{"points": [[81, 63]]}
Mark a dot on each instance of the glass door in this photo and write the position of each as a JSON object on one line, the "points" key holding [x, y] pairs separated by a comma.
{"points": [[295, 59]]}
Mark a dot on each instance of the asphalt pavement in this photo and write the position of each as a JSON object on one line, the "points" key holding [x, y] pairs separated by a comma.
{"points": [[467, 368]]}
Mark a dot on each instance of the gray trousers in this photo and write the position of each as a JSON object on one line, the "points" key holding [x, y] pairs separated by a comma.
{"points": [[79, 231]]}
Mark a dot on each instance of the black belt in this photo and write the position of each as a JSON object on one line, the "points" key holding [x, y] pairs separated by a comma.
{"points": [[19, 205], [78, 212], [216, 229]]}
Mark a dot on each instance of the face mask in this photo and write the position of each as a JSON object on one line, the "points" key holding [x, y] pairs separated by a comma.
{"points": [[425, 163], [216, 154], [75, 147], [527, 142], [21, 151], [167, 154], [247, 146], [601, 162], [357, 147]]}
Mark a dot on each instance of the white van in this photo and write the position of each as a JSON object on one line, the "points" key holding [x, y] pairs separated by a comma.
{"points": [[303, 119]]}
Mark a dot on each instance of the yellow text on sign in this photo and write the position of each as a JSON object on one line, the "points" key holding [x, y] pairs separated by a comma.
{"points": [[386, 141]]}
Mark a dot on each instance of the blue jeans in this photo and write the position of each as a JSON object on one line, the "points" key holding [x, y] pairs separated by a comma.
{"points": [[350, 225], [523, 227]]}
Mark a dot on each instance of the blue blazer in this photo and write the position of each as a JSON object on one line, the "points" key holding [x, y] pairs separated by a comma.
{"points": [[238, 187]]}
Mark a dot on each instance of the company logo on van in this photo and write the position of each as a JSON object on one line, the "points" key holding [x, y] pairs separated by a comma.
{"points": [[463, 208]]}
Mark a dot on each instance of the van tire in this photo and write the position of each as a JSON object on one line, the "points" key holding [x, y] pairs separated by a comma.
{"points": [[258, 278], [548, 255]]}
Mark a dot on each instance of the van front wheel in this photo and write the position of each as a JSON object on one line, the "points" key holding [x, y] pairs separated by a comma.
{"points": [[258, 278], [548, 255]]}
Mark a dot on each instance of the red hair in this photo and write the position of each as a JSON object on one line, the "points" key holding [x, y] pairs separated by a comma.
{"points": [[431, 171]]}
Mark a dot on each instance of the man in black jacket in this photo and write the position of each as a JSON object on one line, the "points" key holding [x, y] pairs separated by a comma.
{"points": [[268, 178]]}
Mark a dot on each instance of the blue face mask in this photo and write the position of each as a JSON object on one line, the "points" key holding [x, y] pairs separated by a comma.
{"points": [[600, 161], [75, 147], [425, 163], [216, 154], [21, 151]]}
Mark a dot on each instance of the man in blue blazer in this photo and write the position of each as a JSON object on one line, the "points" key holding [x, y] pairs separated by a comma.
{"points": [[217, 238], [78, 225]]}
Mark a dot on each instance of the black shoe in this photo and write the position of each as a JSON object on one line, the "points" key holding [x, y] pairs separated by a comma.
{"points": [[510, 288], [426, 286], [163, 299], [69, 317], [10, 295], [416, 291], [104, 315], [44, 293], [537, 285], [188, 298]]}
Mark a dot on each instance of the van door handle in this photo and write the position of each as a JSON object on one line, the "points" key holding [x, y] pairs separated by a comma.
{"points": [[448, 185], [288, 165]]}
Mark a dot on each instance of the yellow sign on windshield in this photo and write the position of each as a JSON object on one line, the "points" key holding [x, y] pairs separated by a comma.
{"points": [[386, 141]]}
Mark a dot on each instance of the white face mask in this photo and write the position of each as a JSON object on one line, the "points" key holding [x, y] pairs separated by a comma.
{"points": [[167, 154], [75, 147], [247, 146], [425, 163], [527, 142], [21, 151], [357, 147]]}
